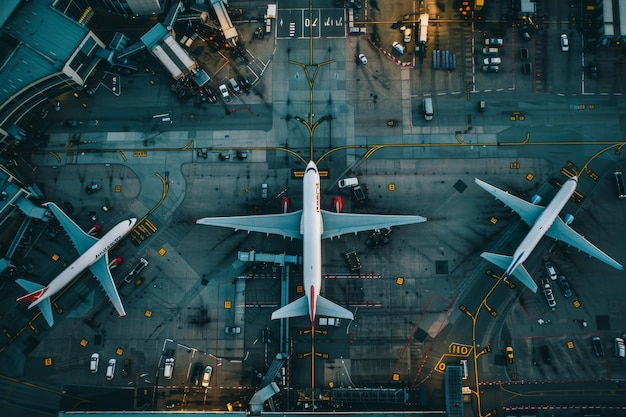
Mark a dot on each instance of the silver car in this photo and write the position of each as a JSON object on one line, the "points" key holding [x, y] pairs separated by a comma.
{"points": [[224, 92]]}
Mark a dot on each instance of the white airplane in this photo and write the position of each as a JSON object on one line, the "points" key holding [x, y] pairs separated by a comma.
{"points": [[543, 221], [94, 254], [311, 224]]}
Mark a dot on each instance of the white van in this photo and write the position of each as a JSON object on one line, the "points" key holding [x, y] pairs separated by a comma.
{"points": [[463, 363], [348, 182], [428, 108], [399, 47], [111, 369], [93, 363], [235, 85], [169, 368]]}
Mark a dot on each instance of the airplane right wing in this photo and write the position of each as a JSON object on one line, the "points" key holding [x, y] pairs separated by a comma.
{"points": [[81, 240], [337, 224], [528, 211], [284, 224], [561, 231], [100, 269]]}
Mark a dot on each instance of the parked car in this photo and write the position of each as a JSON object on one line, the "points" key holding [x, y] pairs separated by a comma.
{"points": [[491, 68], [620, 348], [232, 330], [509, 354], [497, 42], [224, 92], [93, 187], [567, 291], [210, 94], [363, 59], [93, 364], [196, 373], [206, 378], [126, 367], [168, 370], [551, 271], [524, 54], [597, 346], [235, 85], [492, 60], [406, 34], [545, 354], [564, 43], [111, 369], [491, 51], [547, 291], [527, 67]]}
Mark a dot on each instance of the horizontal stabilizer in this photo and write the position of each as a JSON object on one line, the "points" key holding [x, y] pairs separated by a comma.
{"points": [[297, 308], [329, 309], [504, 261], [35, 292], [46, 311]]}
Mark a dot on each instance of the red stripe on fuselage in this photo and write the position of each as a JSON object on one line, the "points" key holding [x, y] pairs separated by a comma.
{"points": [[312, 313]]}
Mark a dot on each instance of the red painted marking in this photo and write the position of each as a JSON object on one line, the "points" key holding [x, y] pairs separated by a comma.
{"points": [[312, 306], [33, 296]]}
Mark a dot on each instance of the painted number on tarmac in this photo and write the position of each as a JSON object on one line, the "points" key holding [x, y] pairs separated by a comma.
{"points": [[459, 349]]}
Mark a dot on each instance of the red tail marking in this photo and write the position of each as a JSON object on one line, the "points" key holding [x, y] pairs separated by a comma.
{"points": [[33, 296], [312, 305]]}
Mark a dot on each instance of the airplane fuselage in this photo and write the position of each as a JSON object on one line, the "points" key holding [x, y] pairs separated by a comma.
{"points": [[98, 250], [542, 225], [311, 228]]}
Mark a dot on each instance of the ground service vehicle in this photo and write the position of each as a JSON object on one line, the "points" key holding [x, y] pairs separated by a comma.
{"points": [[428, 108], [93, 363], [111, 369], [169, 368]]}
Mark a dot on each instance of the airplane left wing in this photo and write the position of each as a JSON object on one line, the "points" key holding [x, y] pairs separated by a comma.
{"points": [[337, 224], [561, 231], [528, 211], [285, 224], [100, 270], [81, 240]]}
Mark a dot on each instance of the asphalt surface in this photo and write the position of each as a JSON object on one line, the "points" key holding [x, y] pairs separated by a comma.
{"points": [[405, 329]]}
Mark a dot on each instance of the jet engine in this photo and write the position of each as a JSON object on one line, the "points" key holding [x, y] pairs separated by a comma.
{"points": [[338, 204], [285, 204], [536, 199], [569, 218]]}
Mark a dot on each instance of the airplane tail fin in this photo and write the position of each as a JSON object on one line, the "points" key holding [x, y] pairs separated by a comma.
{"points": [[327, 308], [297, 308], [504, 261], [35, 292]]}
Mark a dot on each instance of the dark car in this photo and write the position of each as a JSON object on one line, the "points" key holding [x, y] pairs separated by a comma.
{"points": [[598, 347], [210, 94], [524, 54], [93, 187], [545, 354], [567, 291], [126, 368], [196, 373]]}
